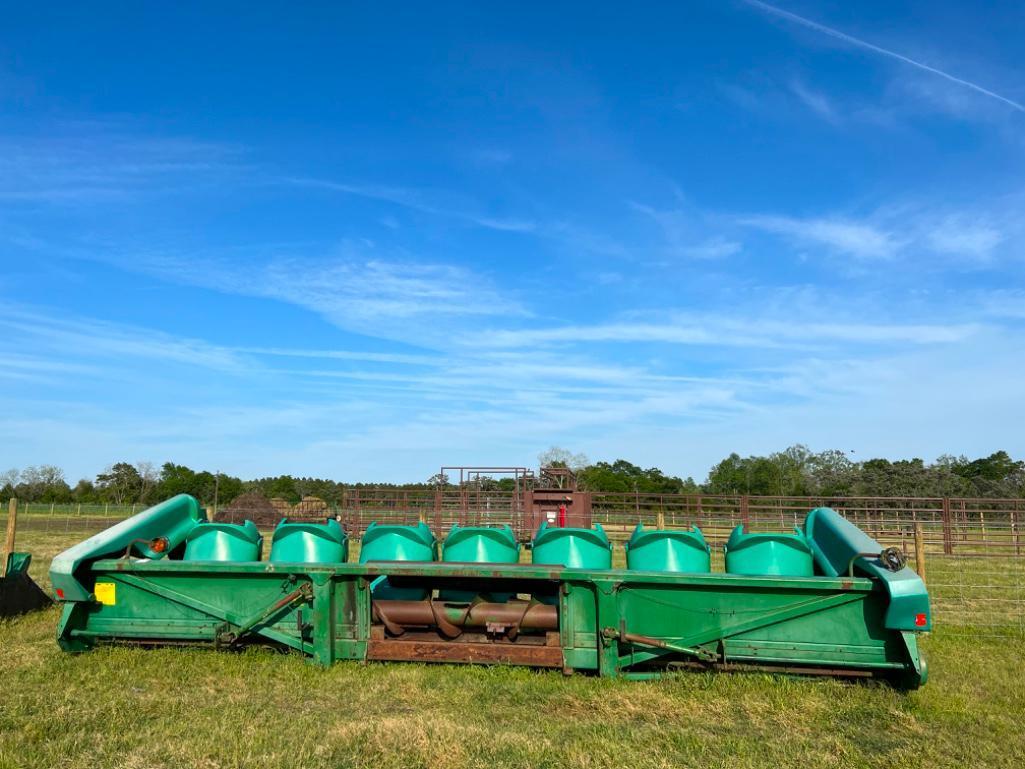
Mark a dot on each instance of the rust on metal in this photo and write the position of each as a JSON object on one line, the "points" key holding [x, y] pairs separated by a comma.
{"points": [[546, 656], [783, 669], [452, 618]]}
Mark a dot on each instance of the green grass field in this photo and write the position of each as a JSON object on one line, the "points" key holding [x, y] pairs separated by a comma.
{"points": [[126, 707]]}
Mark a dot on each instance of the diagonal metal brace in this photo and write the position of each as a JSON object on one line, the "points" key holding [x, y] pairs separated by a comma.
{"points": [[303, 594], [705, 655], [690, 644], [217, 612]]}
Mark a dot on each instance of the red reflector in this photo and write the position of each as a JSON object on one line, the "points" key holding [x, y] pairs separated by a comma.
{"points": [[920, 620], [60, 593]]}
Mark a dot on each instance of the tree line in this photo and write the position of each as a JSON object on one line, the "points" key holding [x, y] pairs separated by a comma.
{"points": [[795, 471]]}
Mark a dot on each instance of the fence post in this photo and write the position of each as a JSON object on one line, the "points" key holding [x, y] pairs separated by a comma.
{"points": [[12, 522], [920, 551], [660, 520], [1014, 531], [948, 534], [745, 517]]}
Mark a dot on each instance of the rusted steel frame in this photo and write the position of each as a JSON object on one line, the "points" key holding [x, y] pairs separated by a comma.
{"points": [[948, 532], [658, 643], [548, 656], [303, 594], [397, 615], [805, 670]]}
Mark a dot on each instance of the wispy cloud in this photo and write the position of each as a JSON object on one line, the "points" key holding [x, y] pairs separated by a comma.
{"points": [[421, 201], [1003, 303], [860, 43], [351, 286], [85, 338], [852, 238], [972, 236], [373, 290], [559, 380], [343, 355], [962, 235], [753, 331], [96, 163], [816, 101], [686, 233]]}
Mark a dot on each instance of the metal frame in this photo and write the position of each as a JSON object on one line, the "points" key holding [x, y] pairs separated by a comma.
{"points": [[614, 623]]}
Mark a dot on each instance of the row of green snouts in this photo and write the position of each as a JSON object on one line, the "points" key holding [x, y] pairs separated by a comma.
{"points": [[672, 550], [178, 528]]}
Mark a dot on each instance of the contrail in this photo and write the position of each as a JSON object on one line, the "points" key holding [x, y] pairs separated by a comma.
{"points": [[884, 51]]}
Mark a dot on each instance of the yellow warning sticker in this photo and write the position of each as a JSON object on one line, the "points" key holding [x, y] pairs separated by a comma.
{"points": [[106, 593]]}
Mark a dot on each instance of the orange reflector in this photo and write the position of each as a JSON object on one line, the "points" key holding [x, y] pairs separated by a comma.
{"points": [[60, 593], [158, 545], [920, 620]]}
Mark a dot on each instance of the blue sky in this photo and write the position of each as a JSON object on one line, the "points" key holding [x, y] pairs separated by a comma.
{"points": [[360, 241]]}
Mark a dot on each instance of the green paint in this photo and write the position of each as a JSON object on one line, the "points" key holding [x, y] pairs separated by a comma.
{"points": [[19, 593], [224, 542], [768, 554], [479, 544], [573, 548], [388, 542], [172, 519], [835, 541], [616, 622], [668, 550], [310, 543]]}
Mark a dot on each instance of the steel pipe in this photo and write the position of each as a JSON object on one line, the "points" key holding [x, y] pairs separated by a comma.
{"points": [[452, 618]]}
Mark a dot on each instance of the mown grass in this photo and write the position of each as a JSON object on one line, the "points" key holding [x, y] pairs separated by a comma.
{"points": [[128, 707]]}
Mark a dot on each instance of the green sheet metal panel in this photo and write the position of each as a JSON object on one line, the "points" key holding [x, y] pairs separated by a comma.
{"points": [[572, 548], [224, 542], [615, 621], [479, 544], [768, 554], [172, 519], [672, 550], [391, 542], [18, 591], [825, 623], [836, 542], [578, 624], [195, 607], [309, 542]]}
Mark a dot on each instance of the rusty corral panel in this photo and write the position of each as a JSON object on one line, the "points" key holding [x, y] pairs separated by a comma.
{"points": [[541, 652], [543, 505]]}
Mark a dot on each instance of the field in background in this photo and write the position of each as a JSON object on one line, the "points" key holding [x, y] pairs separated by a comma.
{"points": [[124, 707]]}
